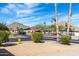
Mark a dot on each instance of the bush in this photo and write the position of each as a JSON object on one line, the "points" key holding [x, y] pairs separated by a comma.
{"points": [[37, 37], [6, 38], [65, 39], [3, 36]]}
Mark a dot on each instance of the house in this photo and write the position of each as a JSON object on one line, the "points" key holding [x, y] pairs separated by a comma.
{"points": [[14, 26], [76, 31]]}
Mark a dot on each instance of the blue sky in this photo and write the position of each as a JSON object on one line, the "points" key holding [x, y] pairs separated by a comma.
{"points": [[36, 13]]}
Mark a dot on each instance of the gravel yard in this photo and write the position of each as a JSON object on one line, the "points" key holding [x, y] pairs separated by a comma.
{"points": [[49, 48]]}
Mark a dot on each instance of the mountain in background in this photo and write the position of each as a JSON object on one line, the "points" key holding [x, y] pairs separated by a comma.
{"points": [[16, 25]]}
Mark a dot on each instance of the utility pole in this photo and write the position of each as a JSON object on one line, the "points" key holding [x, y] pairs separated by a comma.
{"points": [[56, 22], [69, 18]]}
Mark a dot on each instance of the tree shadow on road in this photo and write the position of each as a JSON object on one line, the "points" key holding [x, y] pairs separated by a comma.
{"points": [[4, 52]]}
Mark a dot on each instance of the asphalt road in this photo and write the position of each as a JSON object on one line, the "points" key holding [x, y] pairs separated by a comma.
{"points": [[4, 52], [75, 39]]}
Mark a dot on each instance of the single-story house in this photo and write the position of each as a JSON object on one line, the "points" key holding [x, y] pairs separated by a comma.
{"points": [[14, 26]]}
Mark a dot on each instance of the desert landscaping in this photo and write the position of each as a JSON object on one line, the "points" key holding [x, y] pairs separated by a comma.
{"points": [[49, 48], [41, 33]]}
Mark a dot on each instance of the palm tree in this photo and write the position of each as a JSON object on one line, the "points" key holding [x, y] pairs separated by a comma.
{"points": [[56, 22], [69, 18]]}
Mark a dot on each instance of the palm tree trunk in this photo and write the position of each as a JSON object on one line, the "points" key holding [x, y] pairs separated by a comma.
{"points": [[57, 31], [69, 17]]}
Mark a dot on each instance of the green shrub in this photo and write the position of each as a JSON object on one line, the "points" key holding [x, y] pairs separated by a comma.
{"points": [[65, 39], [6, 38], [3, 36], [37, 37]]}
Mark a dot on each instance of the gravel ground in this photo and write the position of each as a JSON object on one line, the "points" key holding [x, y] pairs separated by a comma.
{"points": [[49, 48]]}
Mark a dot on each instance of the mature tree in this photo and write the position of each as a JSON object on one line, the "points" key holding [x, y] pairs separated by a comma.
{"points": [[20, 30], [3, 27], [4, 34], [41, 27], [71, 27], [53, 27]]}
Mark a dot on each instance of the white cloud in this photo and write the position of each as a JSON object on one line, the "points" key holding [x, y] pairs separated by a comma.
{"points": [[36, 19], [75, 16], [5, 11], [18, 6], [11, 6], [20, 9], [31, 5], [65, 17], [22, 13], [31, 20], [25, 10]]}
